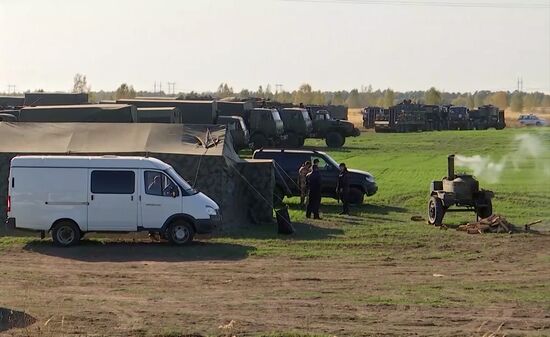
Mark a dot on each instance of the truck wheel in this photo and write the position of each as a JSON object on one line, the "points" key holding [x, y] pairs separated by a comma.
{"points": [[258, 141], [435, 211], [486, 210], [180, 233], [65, 233], [334, 139], [293, 140], [356, 196]]}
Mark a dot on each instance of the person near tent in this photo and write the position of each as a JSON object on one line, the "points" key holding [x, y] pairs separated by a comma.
{"points": [[314, 196], [342, 188], [304, 170]]}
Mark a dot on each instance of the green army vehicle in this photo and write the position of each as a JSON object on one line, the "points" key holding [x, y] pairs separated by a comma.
{"points": [[298, 126], [334, 131], [487, 116]]}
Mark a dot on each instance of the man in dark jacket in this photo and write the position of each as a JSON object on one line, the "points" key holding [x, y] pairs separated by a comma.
{"points": [[314, 197], [342, 189]]}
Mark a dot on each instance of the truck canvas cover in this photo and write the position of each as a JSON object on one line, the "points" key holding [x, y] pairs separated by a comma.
{"points": [[54, 98], [86, 113], [192, 112]]}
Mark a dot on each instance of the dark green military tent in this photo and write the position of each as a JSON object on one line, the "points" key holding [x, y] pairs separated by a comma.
{"points": [[192, 112], [55, 98], [85, 113], [158, 115], [202, 154]]}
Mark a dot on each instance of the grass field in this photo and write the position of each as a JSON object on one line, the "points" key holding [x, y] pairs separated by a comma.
{"points": [[375, 273]]}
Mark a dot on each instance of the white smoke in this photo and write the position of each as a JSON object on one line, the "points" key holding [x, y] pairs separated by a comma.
{"points": [[530, 148]]}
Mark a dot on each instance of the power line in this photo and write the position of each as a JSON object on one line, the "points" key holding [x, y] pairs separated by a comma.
{"points": [[426, 3]]}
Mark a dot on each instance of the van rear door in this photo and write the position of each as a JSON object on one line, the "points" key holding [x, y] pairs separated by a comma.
{"points": [[113, 204]]}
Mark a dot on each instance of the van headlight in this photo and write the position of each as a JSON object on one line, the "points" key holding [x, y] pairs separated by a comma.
{"points": [[211, 210], [369, 179]]}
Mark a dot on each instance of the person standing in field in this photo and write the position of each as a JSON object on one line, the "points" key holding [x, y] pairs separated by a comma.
{"points": [[314, 196], [342, 189], [304, 170]]}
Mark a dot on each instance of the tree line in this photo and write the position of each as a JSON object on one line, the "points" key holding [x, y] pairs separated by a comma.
{"points": [[516, 100]]}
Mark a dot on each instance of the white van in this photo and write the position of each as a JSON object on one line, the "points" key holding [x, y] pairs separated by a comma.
{"points": [[71, 196]]}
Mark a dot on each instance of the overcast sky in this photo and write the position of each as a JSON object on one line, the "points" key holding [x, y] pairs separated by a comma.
{"points": [[332, 45]]}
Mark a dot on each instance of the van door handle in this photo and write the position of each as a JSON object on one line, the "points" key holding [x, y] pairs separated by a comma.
{"points": [[157, 205], [132, 198], [92, 197]]}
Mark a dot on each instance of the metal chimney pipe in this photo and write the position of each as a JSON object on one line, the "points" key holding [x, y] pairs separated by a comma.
{"points": [[451, 167]]}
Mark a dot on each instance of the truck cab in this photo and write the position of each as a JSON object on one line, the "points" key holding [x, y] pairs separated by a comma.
{"points": [[334, 131], [297, 124], [266, 127], [238, 130]]}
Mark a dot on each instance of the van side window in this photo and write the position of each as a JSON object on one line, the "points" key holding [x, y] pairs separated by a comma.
{"points": [[113, 182], [157, 183]]}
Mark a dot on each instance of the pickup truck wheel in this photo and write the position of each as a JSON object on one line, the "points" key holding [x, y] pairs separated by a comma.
{"points": [[180, 233], [65, 233], [334, 139], [356, 196], [258, 141]]}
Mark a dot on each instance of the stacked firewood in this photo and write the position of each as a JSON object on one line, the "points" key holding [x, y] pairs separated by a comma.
{"points": [[496, 223]]}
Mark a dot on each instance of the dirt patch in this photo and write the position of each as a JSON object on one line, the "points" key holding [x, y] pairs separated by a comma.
{"points": [[138, 294]]}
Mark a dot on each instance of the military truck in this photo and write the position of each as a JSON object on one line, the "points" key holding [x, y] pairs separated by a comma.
{"points": [[54, 98], [369, 116], [238, 130], [297, 125], [191, 112], [458, 117], [338, 112], [264, 125], [84, 113], [334, 131], [168, 115], [487, 116]]}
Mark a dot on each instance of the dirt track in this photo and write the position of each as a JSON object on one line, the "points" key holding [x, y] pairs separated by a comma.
{"points": [[151, 289]]}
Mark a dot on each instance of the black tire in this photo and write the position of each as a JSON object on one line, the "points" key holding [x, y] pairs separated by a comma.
{"points": [[293, 141], [436, 212], [180, 233], [258, 141], [334, 140], [486, 210], [356, 196], [65, 233], [538, 124]]}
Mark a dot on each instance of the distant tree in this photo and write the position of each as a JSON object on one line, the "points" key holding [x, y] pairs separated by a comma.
{"points": [[353, 100], [432, 96], [499, 99], [125, 91], [80, 84], [388, 98], [224, 91], [516, 101], [303, 94], [245, 93], [546, 101]]}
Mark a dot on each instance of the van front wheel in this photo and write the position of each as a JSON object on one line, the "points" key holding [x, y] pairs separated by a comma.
{"points": [[65, 233], [180, 233]]}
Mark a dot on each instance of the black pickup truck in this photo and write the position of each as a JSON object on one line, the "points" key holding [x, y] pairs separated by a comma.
{"points": [[289, 161]]}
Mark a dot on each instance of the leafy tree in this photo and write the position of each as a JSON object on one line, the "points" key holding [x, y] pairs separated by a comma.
{"points": [[388, 99], [499, 99], [353, 99], [125, 91], [432, 96], [224, 91], [80, 84], [516, 102]]}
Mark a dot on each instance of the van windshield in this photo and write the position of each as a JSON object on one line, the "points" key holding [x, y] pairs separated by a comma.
{"points": [[187, 189]]}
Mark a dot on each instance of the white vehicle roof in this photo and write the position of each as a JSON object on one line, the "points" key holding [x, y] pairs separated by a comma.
{"points": [[89, 162]]}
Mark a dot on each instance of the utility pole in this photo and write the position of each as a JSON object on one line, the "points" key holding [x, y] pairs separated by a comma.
{"points": [[171, 88], [160, 87], [155, 87], [11, 88]]}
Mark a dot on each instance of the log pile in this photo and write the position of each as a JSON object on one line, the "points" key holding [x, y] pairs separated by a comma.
{"points": [[494, 224]]}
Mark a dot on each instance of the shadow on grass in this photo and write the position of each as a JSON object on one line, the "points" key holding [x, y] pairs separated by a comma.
{"points": [[268, 232], [106, 251], [367, 208]]}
